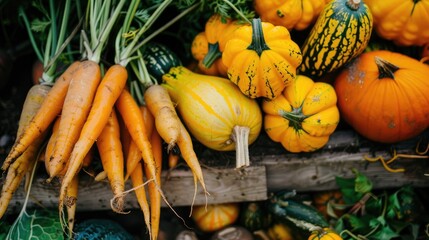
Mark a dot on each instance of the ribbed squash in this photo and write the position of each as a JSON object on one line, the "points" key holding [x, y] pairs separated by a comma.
{"points": [[207, 46], [159, 59], [324, 234], [341, 32], [292, 14], [215, 216], [303, 117], [215, 112], [384, 96], [254, 216], [404, 22], [261, 59]]}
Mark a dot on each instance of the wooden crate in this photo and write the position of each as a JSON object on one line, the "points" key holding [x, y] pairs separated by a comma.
{"points": [[272, 168]]}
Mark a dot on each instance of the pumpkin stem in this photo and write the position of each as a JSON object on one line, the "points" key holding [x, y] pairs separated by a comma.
{"points": [[240, 136], [385, 68], [211, 56], [295, 117], [353, 4], [258, 43]]}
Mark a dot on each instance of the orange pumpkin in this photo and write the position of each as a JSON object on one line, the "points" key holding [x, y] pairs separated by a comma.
{"points": [[216, 216], [383, 95], [292, 14]]}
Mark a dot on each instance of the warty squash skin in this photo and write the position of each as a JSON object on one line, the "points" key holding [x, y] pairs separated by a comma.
{"points": [[261, 59], [214, 111], [384, 96], [292, 14], [342, 32], [303, 117], [403, 22]]}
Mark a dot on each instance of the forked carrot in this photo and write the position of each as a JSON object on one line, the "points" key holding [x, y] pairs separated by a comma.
{"points": [[131, 114], [71, 199], [154, 194], [46, 114], [166, 120], [107, 93], [188, 154], [75, 110], [112, 159], [137, 180], [149, 124]]}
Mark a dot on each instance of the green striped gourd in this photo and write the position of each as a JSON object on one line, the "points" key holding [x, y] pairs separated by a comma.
{"points": [[341, 32]]}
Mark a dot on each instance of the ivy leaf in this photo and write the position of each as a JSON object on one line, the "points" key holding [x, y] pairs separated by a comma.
{"points": [[353, 189], [384, 233], [362, 183], [38, 224]]}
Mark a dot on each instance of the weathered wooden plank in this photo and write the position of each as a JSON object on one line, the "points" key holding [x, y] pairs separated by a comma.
{"points": [[224, 185]]}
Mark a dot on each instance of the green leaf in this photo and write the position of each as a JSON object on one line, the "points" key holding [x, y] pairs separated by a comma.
{"points": [[347, 188], [38, 224], [384, 233], [362, 183], [38, 25], [4, 228]]}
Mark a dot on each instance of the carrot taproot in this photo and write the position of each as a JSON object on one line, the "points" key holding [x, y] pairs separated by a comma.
{"points": [[112, 159], [71, 198], [129, 109], [167, 121], [76, 107], [46, 114], [149, 124], [154, 194], [173, 159], [137, 180], [188, 154], [111, 86], [134, 156], [50, 145]]}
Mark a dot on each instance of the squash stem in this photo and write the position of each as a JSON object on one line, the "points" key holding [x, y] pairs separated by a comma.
{"points": [[353, 4], [295, 117], [385, 68], [240, 136], [212, 55], [258, 43]]}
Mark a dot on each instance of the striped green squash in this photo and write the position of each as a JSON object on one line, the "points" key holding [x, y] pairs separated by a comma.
{"points": [[341, 32], [159, 59]]}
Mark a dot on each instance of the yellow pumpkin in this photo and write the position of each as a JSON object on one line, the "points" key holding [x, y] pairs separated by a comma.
{"points": [[404, 22], [324, 234], [216, 216], [207, 46], [303, 117], [280, 231], [292, 14], [261, 59]]}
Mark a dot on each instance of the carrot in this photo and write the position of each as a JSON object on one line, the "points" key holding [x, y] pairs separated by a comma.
{"points": [[137, 180], [46, 114], [149, 124], [131, 114], [166, 120], [134, 155], [75, 110], [188, 154], [173, 159], [107, 93], [154, 194], [50, 144], [71, 197], [112, 159]]}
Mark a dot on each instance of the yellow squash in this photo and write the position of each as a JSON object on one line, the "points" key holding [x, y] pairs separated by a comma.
{"points": [[403, 21], [303, 117], [261, 59], [292, 14]]}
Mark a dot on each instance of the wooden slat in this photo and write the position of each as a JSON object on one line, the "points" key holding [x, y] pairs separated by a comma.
{"points": [[224, 185]]}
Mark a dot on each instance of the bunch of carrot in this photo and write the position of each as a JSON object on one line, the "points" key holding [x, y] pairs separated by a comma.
{"points": [[88, 108]]}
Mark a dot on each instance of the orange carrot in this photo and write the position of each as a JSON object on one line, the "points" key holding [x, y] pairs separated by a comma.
{"points": [[134, 156], [50, 144], [75, 110], [131, 114], [154, 194], [107, 93], [188, 154], [166, 120], [112, 159], [71, 199], [149, 124], [137, 180], [46, 114], [173, 159]]}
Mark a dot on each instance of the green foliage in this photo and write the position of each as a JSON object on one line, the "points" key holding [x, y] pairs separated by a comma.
{"points": [[37, 224]]}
